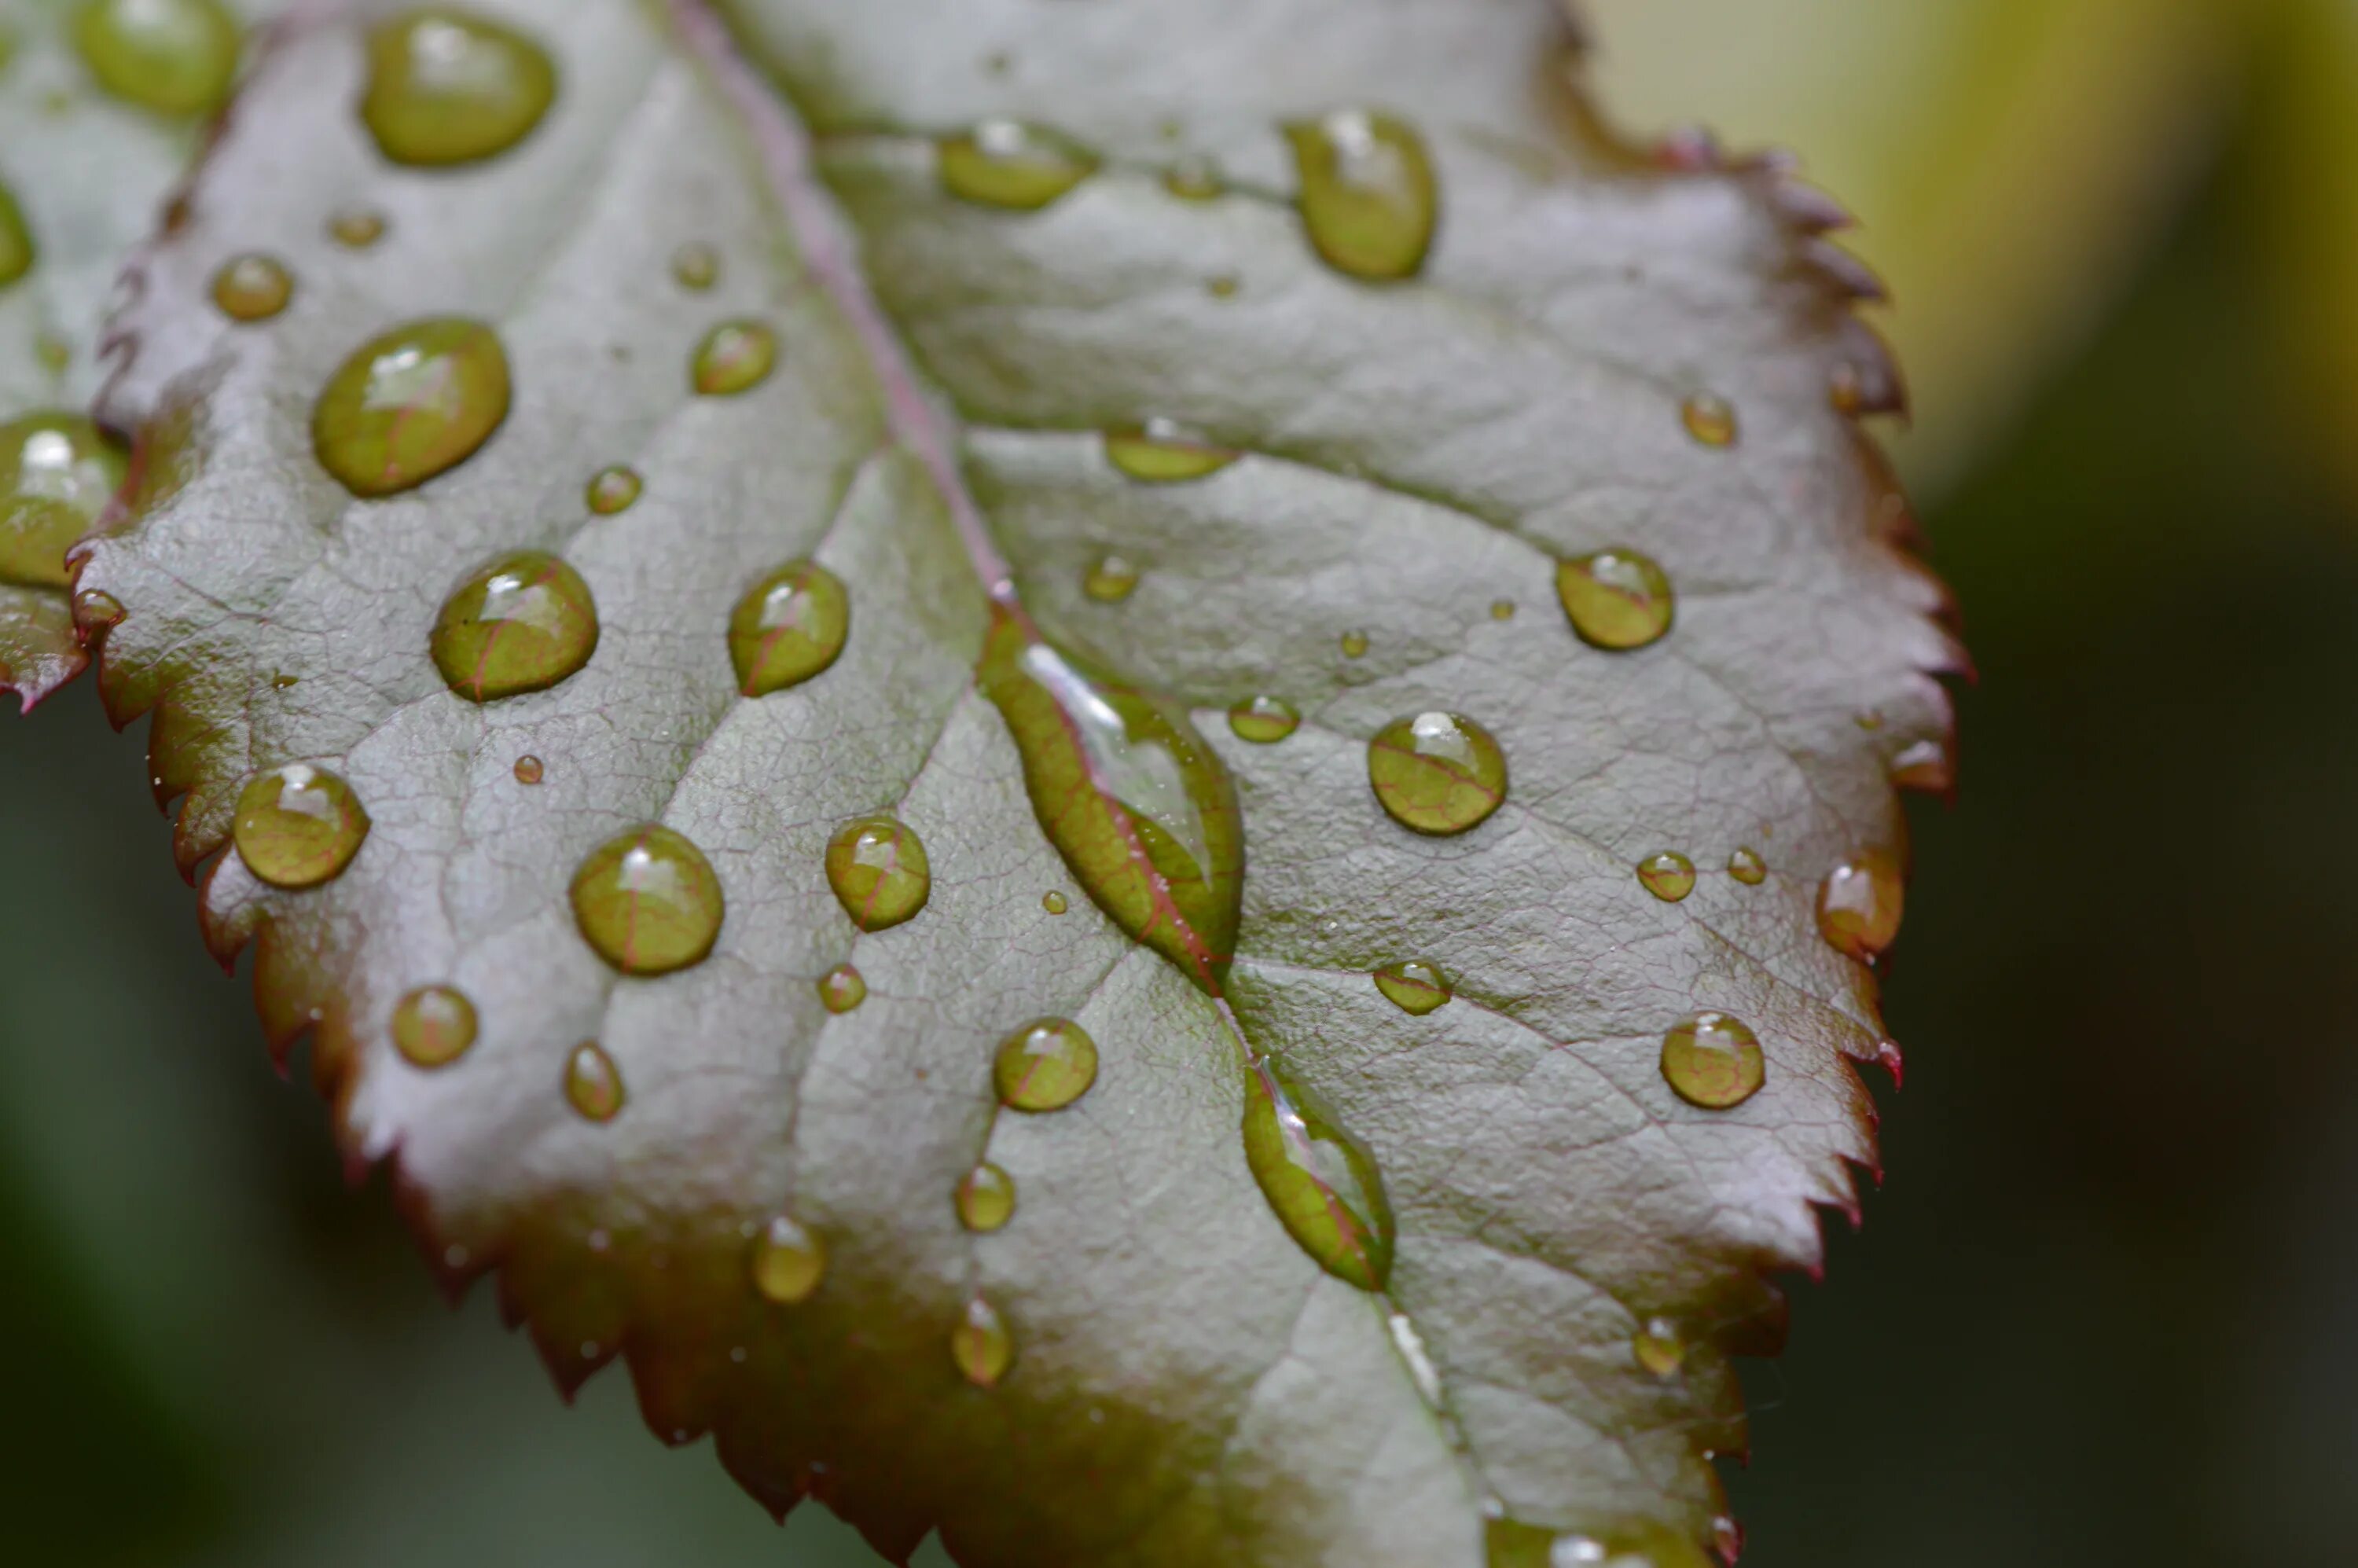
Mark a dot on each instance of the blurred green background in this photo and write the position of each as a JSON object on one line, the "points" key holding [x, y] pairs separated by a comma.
{"points": [[2098, 1316]]}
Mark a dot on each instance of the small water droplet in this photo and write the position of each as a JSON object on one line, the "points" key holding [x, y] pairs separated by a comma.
{"points": [[528, 769], [58, 470], [1846, 391], [54, 352], [297, 826], [356, 228], [1669, 876], [16, 250], [1618, 600], [1263, 720], [696, 266], [878, 870], [1109, 579], [1924, 765], [433, 1025], [613, 489], [1053, 902], [593, 1087], [1710, 420], [1367, 194], [1193, 178], [175, 57], [1222, 286], [788, 627], [252, 288], [283, 681], [1320, 1179], [1746, 867], [1870, 721], [1713, 1061], [1414, 986], [648, 902], [980, 1344], [1006, 163], [447, 87], [1437, 772], [519, 623], [789, 1261], [1859, 905], [734, 357], [1161, 452], [410, 404], [1659, 1346], [842, 988], [1354, 644], [1502, 610], [1045, 1066], [986, 1198]]}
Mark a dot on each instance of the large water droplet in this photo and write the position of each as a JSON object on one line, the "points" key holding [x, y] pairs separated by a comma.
{"points": [[1367, 194], [1110, 578], [1160, 453], [788, 627], [297, 826], [1263, 720], [58, 470], [1618, 600], [519, 623], [613, 489], [1710, 420], [252, 288], [1746, 867], [842, 988], [16, 250], [1437, 772], [1005, 163], [1320, 1179], [980, 1344], [1414, 986], [593, 1085], [1669, 876], [878, 870], [789, 1261], [410, 404], [446, 87], [1859, 905], [1659, 1346], [1713, 1061], [433, 1025], [1045, 1066], [986, 1197], [648, 902], [528, 769], [176, 57], [734, 357]]}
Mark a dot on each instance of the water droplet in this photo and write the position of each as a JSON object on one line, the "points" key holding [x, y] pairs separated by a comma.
{"points": [[297, 826], [1669, 876], [980, 1344], [410, 404], [1502, 610], [1727, 1539], [252, 288], [356, 228], [1659, 1346], [648, 902], [613, 489], [788, 627], [1053, 902], [1225, 286], [58, 470], [734, 357], [1617, 598], [1746, 867], [1160, 453], [1354, 644], [1713, 1061], [696, 266], [986, 1198], [789, 1261], [1368, 196], [1924, 765], [16, 250], [1045, 1066], [283, 681], [1320, 1179], [446, 87], [54, 352], [1859, 905], [1437, 772], [878, 870], [519, 623], [1710, 420], [95, 610], [176, 57], [528, 769], [842, 988], [1141, 808], [1846, 391], [593, 1085], [1414, 986], [433, 1025], [1109, 579], [1005, 163], [1193, 178], [1263, 720]]}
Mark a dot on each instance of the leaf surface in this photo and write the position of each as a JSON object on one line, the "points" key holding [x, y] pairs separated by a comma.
{"points": [[754, 285]]}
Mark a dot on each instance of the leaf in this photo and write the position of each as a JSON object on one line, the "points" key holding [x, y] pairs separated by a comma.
{"points": [[985, 834]]}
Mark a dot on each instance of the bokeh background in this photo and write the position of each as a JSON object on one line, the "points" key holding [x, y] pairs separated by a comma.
{"points": [[2101, 1312]]}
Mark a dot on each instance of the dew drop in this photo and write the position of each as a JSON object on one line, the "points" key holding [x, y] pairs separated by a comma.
{"points": [[356, 228], [593, 1085], [1193, 178], [878, 870], [613, 489], [175, 57], [1109, 579], [58, 470], [986, 1198], [447, 87], [1502, 610], [1846, 391], [734, 357], [433, 1026], [1367, 194], [1263, 720], [1859, 905], [1710, 420], [1045, 1066], [54, 352], [648, 902], [1414, 986], [980, 1344], [528, 769], [1617, 598], [788, 627], [788, 1261], [1006, 163], [1354, 644], [1224, 286], [696, 266], [16, 250], [1320, 1179], [95, 610], [1053, 902], [1160, 453], [1746, 867], [252, 288], [842, 988], [297, 826], [410, 404], [519, 623], [1659, 1346], [1713, 1061], [1924, 765], [1437, 772], [1669, 876]]}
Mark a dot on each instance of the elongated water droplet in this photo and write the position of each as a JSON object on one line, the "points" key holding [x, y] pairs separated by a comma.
{"points": [[519, 623], [980, 1344], [1109, 579], [1160, 453], [1263, 720], [1320, 1179], [447, 87], [1052, 902], [1713, 1061], [1710, 420], [1005, 163], [252, 288], [1141, 808], [593, 1085], [696, 266], [175, 57], [1746, 867], [842, 988], [613, 489], [297, 826], [789, 626], [1354, 644], [986, 1198], [1437, 772], [1195, 177], [16, 250], [1045, 1066], [433, 1025], [1414, 986], [528, 769], [58, 470], [410, 404], [1859, 905], [878, 870], [734, 357], [1616, 599], [1659, 1346], [1669, 876], [1367, 194], [648, 902], [789, 1261], [356, 228]]}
